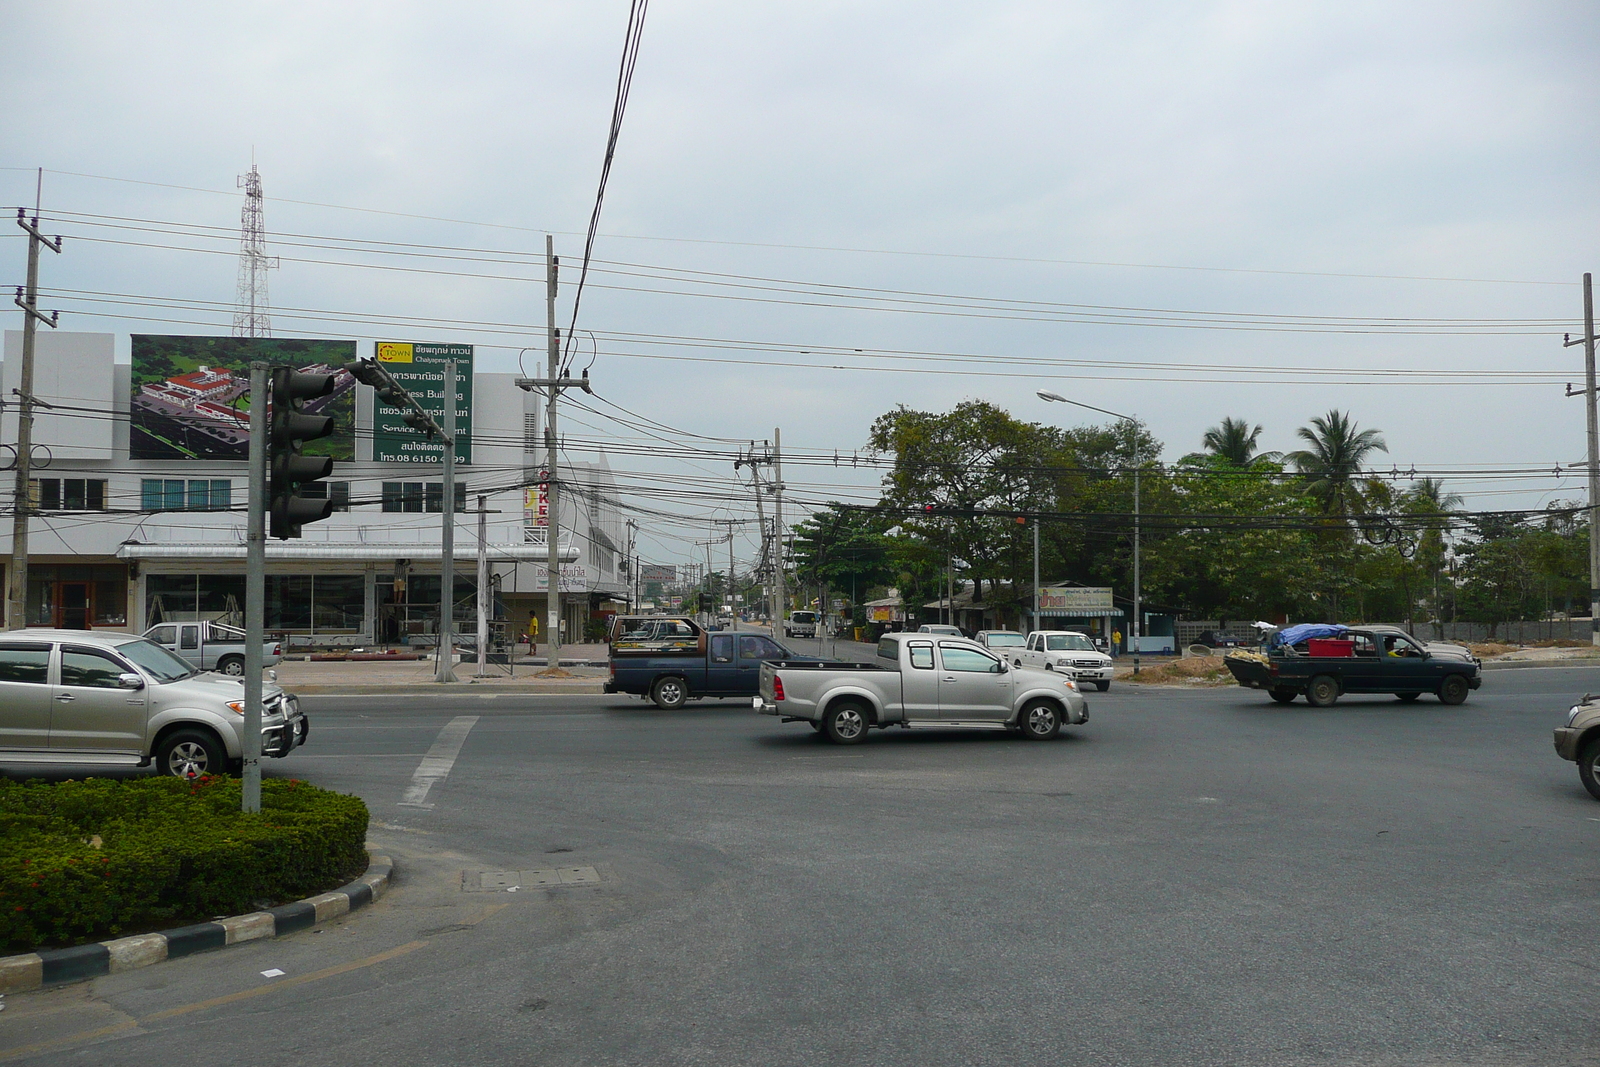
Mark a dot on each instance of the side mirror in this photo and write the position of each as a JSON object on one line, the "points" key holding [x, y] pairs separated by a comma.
{"points": [[129, 681], [1001, 667]]}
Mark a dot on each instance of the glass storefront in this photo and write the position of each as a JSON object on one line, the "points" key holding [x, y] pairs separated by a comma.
{"points": [[295, 603], [77, 597]]}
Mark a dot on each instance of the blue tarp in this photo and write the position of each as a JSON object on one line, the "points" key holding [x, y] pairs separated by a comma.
{"points": [[1305, 631]]}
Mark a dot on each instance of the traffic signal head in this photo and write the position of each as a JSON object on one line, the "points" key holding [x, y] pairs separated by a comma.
{"points": [[287, 469]]}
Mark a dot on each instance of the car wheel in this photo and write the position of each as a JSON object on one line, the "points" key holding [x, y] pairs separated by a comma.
{"points": [[232, 665], [1040, 721], [1407, 698], [1589, 767], [1453, 690], [1323, 691], [845, 724], [191, 753], [1282, 694], [1103, 686], [669, 694]]}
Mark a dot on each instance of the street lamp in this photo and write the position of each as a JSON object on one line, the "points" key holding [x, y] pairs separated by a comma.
{"points": [[1057, 398]]}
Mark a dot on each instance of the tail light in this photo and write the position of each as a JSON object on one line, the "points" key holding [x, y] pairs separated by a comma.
{"points": [[277, 650], [1272, 669], [777, 687]]}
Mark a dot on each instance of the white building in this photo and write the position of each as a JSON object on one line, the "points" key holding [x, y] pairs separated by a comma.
{"points": [[118, 543]]}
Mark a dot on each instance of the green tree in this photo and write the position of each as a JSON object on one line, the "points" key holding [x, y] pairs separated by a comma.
{"points": [[1332, 462], [1233, 444]]}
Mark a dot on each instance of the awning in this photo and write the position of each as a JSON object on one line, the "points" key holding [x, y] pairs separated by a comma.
{"points": [[466, 550]]}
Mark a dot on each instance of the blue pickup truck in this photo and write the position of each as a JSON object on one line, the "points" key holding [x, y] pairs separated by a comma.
{"points": [[670, 660]]}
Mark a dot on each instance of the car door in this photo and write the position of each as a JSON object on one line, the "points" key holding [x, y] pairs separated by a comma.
{"points": [[972, 684], [722, 667], [25, 694], [1408, 668], [189, 645], [753, 651], [1365, 671], [90, 711], [919, 682], [165, 635]]}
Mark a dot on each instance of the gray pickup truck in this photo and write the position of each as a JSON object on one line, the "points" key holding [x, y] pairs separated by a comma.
{"points": [[210, 646], [921, 681]]}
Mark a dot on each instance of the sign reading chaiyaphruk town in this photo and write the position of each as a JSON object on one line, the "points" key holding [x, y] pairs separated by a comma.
{"points": [[419, 368]]}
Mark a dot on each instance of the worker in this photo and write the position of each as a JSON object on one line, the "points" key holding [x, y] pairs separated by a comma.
{"points": [[533, 629], [1116, 642]]}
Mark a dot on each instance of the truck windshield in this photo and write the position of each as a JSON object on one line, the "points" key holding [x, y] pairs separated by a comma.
{"points": [[803, 616], [1069, 643], [1004, 640], [162, 665]]}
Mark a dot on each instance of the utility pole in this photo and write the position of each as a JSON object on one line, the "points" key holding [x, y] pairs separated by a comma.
{"points": [[780, 592], [733, 608], [552, 385], [483, 584], [633, 565], [22, 499], [1588, 343], [1137, 614], [255, 586], [1033, 613], [447, 559]]}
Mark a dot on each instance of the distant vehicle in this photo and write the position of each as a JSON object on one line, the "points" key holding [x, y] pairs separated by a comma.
{"points": [[940, 629], [1066, 650], [800, 624], [920, 681], [672, 661], [210, 646], [1579, 742], [116, 700], [1322, 662], [1000, 639]]}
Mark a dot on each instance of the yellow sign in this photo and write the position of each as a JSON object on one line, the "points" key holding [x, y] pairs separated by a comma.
{"points": [[394, 352]]}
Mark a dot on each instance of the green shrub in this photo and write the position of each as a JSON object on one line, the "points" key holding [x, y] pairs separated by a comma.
{"points": [[86, 860]]}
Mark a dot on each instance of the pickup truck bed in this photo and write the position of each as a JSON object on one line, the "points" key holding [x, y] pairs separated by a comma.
{"points": [[1376, 659]]}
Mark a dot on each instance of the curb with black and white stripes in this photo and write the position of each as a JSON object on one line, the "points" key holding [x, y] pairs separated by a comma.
{"points": [[33, 970]]}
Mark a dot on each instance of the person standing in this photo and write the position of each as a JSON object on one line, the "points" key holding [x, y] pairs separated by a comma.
{"points": [[1116, 642], [533, 631]]}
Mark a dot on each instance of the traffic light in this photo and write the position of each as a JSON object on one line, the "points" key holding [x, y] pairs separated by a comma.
{"points": [[708, 602], [287, 469]]}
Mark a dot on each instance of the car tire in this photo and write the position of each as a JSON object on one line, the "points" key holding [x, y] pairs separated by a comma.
{"points": [[233, 666], [1589, 766], [1282, 694], [845, 723], [1322, 691], [670, 693], [1407, 698], [1453, 690], [190, 754], [1103, 686], [1039, 720]]}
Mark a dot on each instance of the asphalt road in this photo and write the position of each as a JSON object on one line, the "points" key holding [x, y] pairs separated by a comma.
{"points": [[1194, 877]]}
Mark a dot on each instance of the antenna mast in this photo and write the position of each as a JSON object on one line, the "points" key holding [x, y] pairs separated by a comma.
{"points": [[251, 314]]}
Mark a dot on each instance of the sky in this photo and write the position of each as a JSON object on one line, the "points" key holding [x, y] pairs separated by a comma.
{"points": [[1176, 211]]}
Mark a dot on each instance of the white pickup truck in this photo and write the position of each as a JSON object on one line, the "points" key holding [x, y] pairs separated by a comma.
{"points": [[1064, 650], [210, 646], [921, 681]]}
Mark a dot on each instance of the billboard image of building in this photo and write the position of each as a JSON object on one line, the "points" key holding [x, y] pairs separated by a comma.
{"points": [[191, 395]]}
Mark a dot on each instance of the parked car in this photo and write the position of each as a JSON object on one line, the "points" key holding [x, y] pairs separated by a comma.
{"points": [[1323, 662], [116, 700], [941, 629], [1066, 650], [998, 639], [800, 624], [210, 646], [920, 681], [672, 661], [1579, 742]]}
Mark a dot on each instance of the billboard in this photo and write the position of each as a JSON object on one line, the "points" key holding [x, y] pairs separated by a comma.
{"points": [[536, 503], [658, 572], [1075, 600], [191, 395], [419, 368]]}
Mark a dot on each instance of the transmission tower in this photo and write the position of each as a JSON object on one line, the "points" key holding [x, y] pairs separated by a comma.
{"points": [[252, 315]]}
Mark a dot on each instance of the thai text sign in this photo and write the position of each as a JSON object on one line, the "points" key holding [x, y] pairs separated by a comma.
{"points": [[1074, 600], [419, 368], [658, 572]]}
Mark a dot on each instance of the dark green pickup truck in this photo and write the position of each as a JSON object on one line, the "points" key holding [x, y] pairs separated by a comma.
{"points": [[1361, 659]]}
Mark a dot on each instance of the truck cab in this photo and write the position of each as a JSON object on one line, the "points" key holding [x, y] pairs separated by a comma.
{"points": [[210, 646], [1065, 650]]}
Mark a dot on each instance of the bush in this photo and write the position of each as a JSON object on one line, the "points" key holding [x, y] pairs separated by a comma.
{"points": [[86, 860]]}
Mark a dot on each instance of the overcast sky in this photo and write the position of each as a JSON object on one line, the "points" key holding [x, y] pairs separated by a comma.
{"points": [[1232, 159]]}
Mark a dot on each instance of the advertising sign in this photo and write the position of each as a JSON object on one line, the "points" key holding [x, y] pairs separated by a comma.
{"points": [[658, 572], [536, 505], [1074, 600], [574, 578], [191, 395], [419, 368]]}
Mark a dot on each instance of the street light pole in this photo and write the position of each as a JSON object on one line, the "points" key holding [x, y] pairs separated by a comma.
{"points": [[1137, 459]]}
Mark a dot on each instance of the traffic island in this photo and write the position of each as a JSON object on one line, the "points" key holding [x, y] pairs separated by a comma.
{"points": [[87, 867]]}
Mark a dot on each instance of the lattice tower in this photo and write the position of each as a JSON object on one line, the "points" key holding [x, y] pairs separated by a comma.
{"points": [[252, 313]]}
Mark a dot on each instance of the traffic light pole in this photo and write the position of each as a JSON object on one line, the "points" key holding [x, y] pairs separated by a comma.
{"points": [[255, 586]]}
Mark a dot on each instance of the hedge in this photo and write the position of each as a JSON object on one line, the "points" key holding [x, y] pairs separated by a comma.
{"points": [[88, 860]]}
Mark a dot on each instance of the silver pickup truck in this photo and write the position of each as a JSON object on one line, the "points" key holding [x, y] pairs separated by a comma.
{"points": [[210, 646], [921, 681]]}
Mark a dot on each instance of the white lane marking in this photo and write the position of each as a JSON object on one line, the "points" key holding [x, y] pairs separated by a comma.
{"points": [[435, 766]]}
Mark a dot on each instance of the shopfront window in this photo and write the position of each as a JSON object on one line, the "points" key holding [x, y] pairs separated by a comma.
{"points": [[77, 597]]}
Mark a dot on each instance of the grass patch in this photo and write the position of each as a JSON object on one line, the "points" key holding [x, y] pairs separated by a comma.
{"points": [[87, 860]]}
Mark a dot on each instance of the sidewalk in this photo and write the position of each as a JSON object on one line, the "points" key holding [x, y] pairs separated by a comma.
{"points": [[586, 663]]}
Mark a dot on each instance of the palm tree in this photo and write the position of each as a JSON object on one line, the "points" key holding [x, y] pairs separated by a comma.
{"points": [[1333, 461], [1235, 443], [1427, 497]]}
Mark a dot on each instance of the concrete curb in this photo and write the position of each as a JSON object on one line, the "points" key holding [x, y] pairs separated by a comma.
{"points": [[56, 966], [433, 689], [1547, 664]]}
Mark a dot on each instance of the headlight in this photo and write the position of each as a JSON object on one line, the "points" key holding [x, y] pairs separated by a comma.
{"points": [[1573, 714]]}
